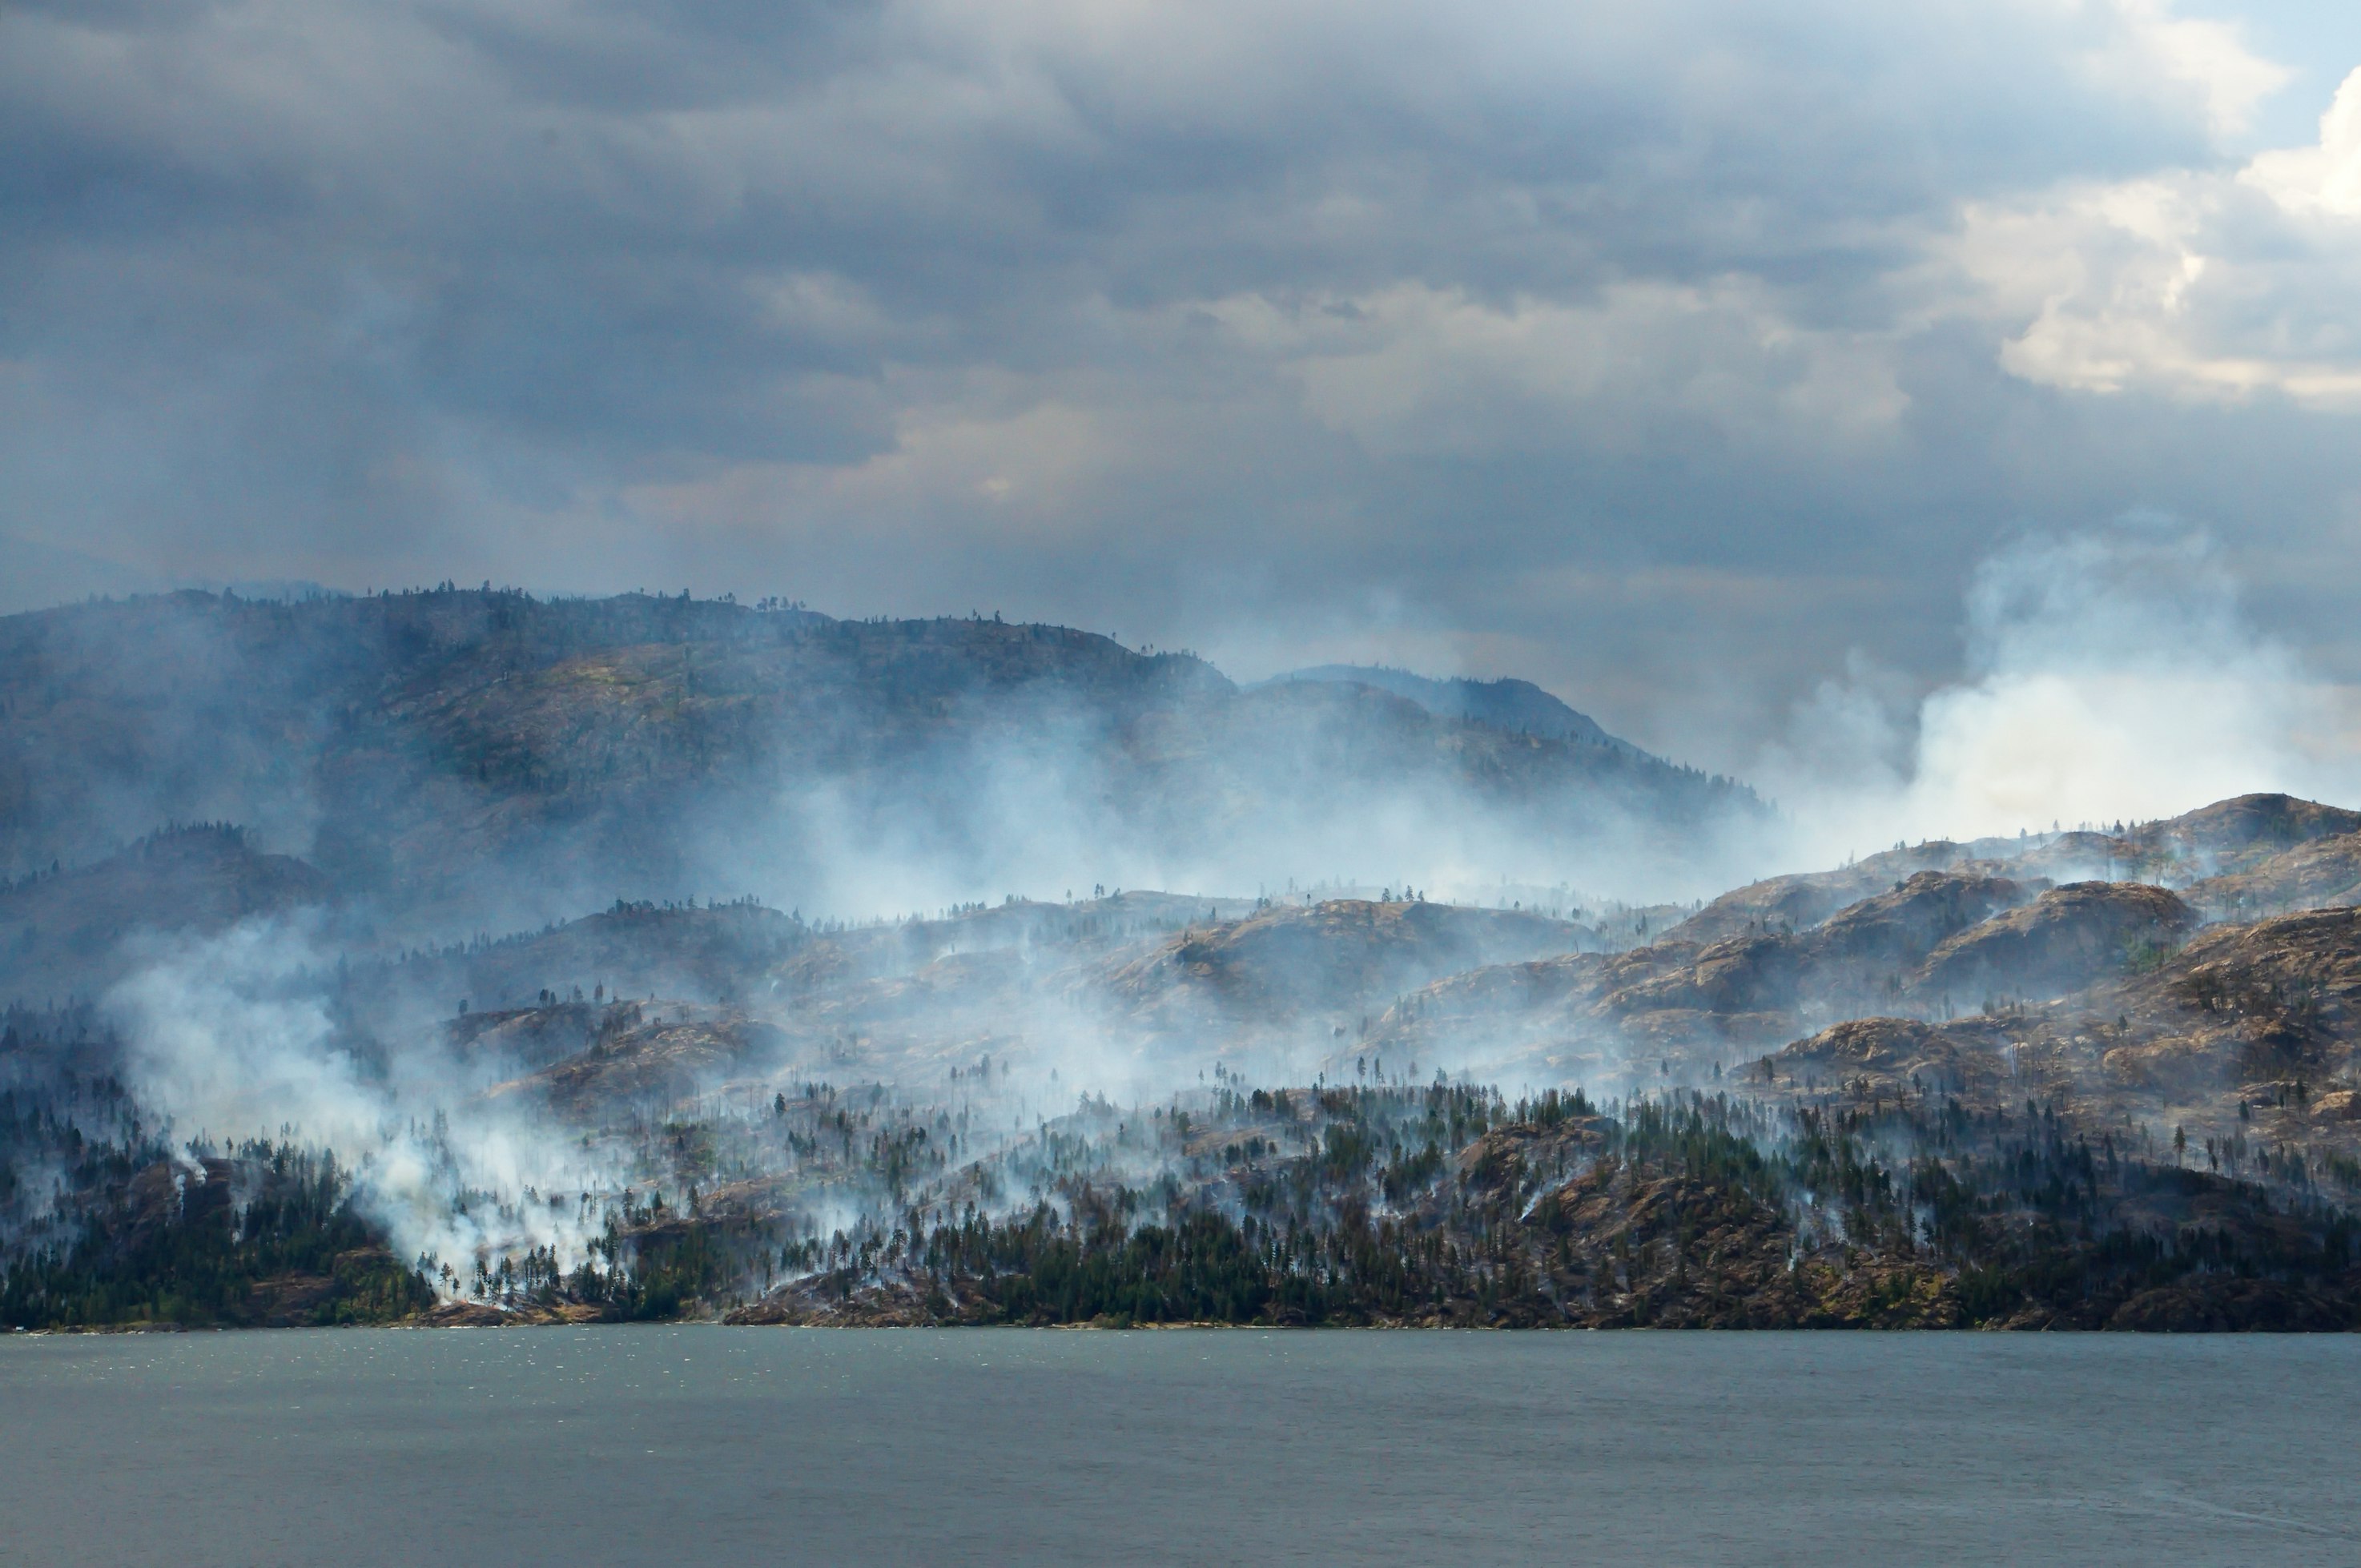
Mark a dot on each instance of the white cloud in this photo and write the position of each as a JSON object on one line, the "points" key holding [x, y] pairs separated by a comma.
{"points": [[2146, 44], [2327, 178], [2201, 285]]}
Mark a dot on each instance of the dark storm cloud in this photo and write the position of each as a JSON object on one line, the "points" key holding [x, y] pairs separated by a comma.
{"points": [[1657, 355]]}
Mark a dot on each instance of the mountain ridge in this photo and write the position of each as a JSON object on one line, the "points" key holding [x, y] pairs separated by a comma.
{"points": [[439, 746], [1505, 703]]}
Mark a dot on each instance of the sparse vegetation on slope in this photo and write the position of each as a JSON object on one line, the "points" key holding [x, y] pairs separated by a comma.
{"points": [[2011, 1083]]}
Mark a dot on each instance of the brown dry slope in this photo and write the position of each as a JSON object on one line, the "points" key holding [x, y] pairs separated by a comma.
{"points": [[2064, 941], [1327, 959], [2316, 875], [652, 1059]]}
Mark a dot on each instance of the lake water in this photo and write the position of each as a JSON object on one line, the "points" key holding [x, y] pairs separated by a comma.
{"points": [[682, 1444]]}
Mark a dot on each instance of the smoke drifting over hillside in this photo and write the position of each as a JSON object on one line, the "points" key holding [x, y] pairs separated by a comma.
{"points": [[485, 760], [235, 1037], [2109, 676], [1022, 928]]}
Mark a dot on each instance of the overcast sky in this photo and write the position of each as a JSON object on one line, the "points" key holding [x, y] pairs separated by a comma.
{"points": [[1669, 355]]}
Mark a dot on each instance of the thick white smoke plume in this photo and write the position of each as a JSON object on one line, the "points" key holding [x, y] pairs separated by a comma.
{"points": [[2109, 676], [232, 1037]]}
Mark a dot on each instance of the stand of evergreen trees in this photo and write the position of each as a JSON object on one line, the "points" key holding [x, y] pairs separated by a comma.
{"points": [[1372, 1205]]}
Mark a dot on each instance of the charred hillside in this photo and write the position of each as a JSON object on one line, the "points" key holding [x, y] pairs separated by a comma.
{"points": [[395, 1049]]}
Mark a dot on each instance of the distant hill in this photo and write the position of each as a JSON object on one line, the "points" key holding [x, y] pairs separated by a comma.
{"points": [[1506, 704], [486, 759], [68, 932]]}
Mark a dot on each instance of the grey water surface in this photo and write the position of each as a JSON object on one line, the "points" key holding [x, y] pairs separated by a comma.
{"points": [[694, 1444]]}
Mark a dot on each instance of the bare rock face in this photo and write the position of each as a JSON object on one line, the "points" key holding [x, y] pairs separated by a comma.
{"points": [[1680, 999], [2339, 1106], [2305, 968], [2064, 941], [2256, 854], [1740, 974]]}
